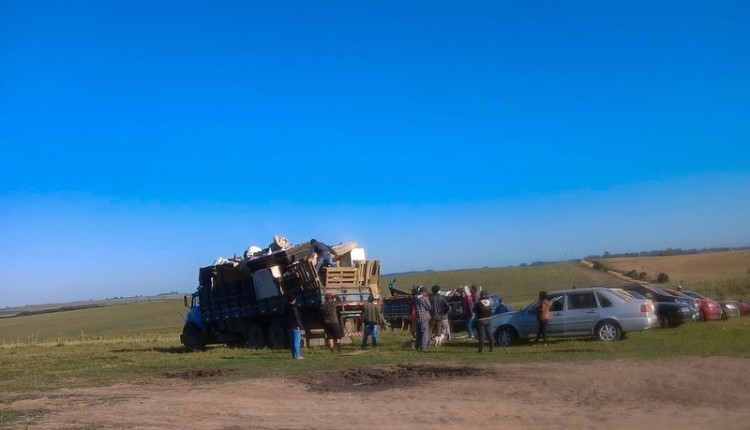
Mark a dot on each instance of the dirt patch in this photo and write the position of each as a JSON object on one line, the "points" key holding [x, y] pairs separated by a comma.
{"points": [[694, 392], [389, 377], [192, 374]]}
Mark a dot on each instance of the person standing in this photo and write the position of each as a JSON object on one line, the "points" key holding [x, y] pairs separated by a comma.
{"points": [[467, 304], [483, 312], [502, 307], [440, 309], [294, 327], [372, 318], [325, 254], [422, 307], [542, 317], [331, 324]]}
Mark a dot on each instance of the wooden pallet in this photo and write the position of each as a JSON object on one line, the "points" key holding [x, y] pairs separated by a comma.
{"points": [[369, 272], [341, 276]]}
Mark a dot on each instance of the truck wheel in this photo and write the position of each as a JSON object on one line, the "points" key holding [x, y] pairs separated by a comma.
{"points": [[255, 337], [277, 338], [191, 338]]}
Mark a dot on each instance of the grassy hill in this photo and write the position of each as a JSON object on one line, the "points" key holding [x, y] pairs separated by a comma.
{"points": [[516, 284]]}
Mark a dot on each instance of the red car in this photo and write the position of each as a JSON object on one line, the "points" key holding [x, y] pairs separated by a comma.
{"points": [[744, 306], [710, 308]]}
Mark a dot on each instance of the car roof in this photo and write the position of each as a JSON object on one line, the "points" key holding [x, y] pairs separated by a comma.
{"points": [[579, 290]]}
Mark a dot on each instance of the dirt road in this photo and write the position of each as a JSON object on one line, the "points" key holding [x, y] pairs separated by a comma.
{"points": [[700, 392]]}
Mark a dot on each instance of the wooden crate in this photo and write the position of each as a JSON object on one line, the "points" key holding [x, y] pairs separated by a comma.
{"points": [[340, 276]]}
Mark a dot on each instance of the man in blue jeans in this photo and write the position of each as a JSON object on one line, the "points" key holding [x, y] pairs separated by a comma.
{"points": [[372, 317], [324, 252], [293, 322]]}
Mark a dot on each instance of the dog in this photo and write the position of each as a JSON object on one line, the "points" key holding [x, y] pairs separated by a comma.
{"points": [[437, 340]]}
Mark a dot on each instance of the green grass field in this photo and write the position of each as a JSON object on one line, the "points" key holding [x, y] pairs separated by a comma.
{"points": [[139, 343], [153, 355], [518, 285]]}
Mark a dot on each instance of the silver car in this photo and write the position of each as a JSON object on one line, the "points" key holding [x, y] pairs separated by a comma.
{"points": [[606, 313]]}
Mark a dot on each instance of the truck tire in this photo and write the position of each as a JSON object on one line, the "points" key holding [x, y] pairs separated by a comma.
{"points": [[277, 337], [255, 338], [191, 338]]}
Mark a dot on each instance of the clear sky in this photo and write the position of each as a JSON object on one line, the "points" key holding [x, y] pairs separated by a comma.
{"points": [[140, 140]]}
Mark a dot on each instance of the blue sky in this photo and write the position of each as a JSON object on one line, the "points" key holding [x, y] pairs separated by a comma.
{"points": [[141, 140]]}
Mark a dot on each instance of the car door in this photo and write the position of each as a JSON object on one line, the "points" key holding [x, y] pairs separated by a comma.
{"points": [[556, 324], [581, 313]]}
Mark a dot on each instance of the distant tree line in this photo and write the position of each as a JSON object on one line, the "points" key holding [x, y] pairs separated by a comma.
{"points": [[663, 252]]}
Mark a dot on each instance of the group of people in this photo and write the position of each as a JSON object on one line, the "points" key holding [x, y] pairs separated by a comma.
{"points": [[429, 313], [371, 319], [430, 317]]}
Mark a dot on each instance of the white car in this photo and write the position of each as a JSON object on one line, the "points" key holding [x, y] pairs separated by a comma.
{"points": [[606, 313]]}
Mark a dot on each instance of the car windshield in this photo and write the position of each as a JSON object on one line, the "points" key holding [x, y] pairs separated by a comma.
{"points": [[660, 291], [532, 306]]}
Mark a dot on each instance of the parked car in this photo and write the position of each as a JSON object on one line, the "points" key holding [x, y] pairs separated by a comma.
{"points": [[729, 309], [607, 313], [743, 306], [709, 308], [672, 311]]}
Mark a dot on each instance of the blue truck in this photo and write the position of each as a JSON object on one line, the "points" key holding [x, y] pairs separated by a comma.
{"points": [[240, 301]]}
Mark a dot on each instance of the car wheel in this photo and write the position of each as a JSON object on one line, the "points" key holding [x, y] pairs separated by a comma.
{"points": [[191, 338], [608, 331], [505, 336], [663, 321]]}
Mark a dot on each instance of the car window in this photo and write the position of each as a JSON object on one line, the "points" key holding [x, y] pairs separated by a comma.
{"points": [[581, 301], [556, 304], [624, 295], [603, 300]]}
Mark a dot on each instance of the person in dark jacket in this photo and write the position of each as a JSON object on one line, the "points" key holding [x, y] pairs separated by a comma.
{"points": [[294, 327], [483, 312], [331, 324], [440, 309], [502, 307], [324, 252], [372, 318]]}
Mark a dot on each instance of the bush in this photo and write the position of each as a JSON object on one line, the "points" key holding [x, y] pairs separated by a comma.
{"points": [[599, 266], [642, 275], [632, 274], [662, 278]]}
